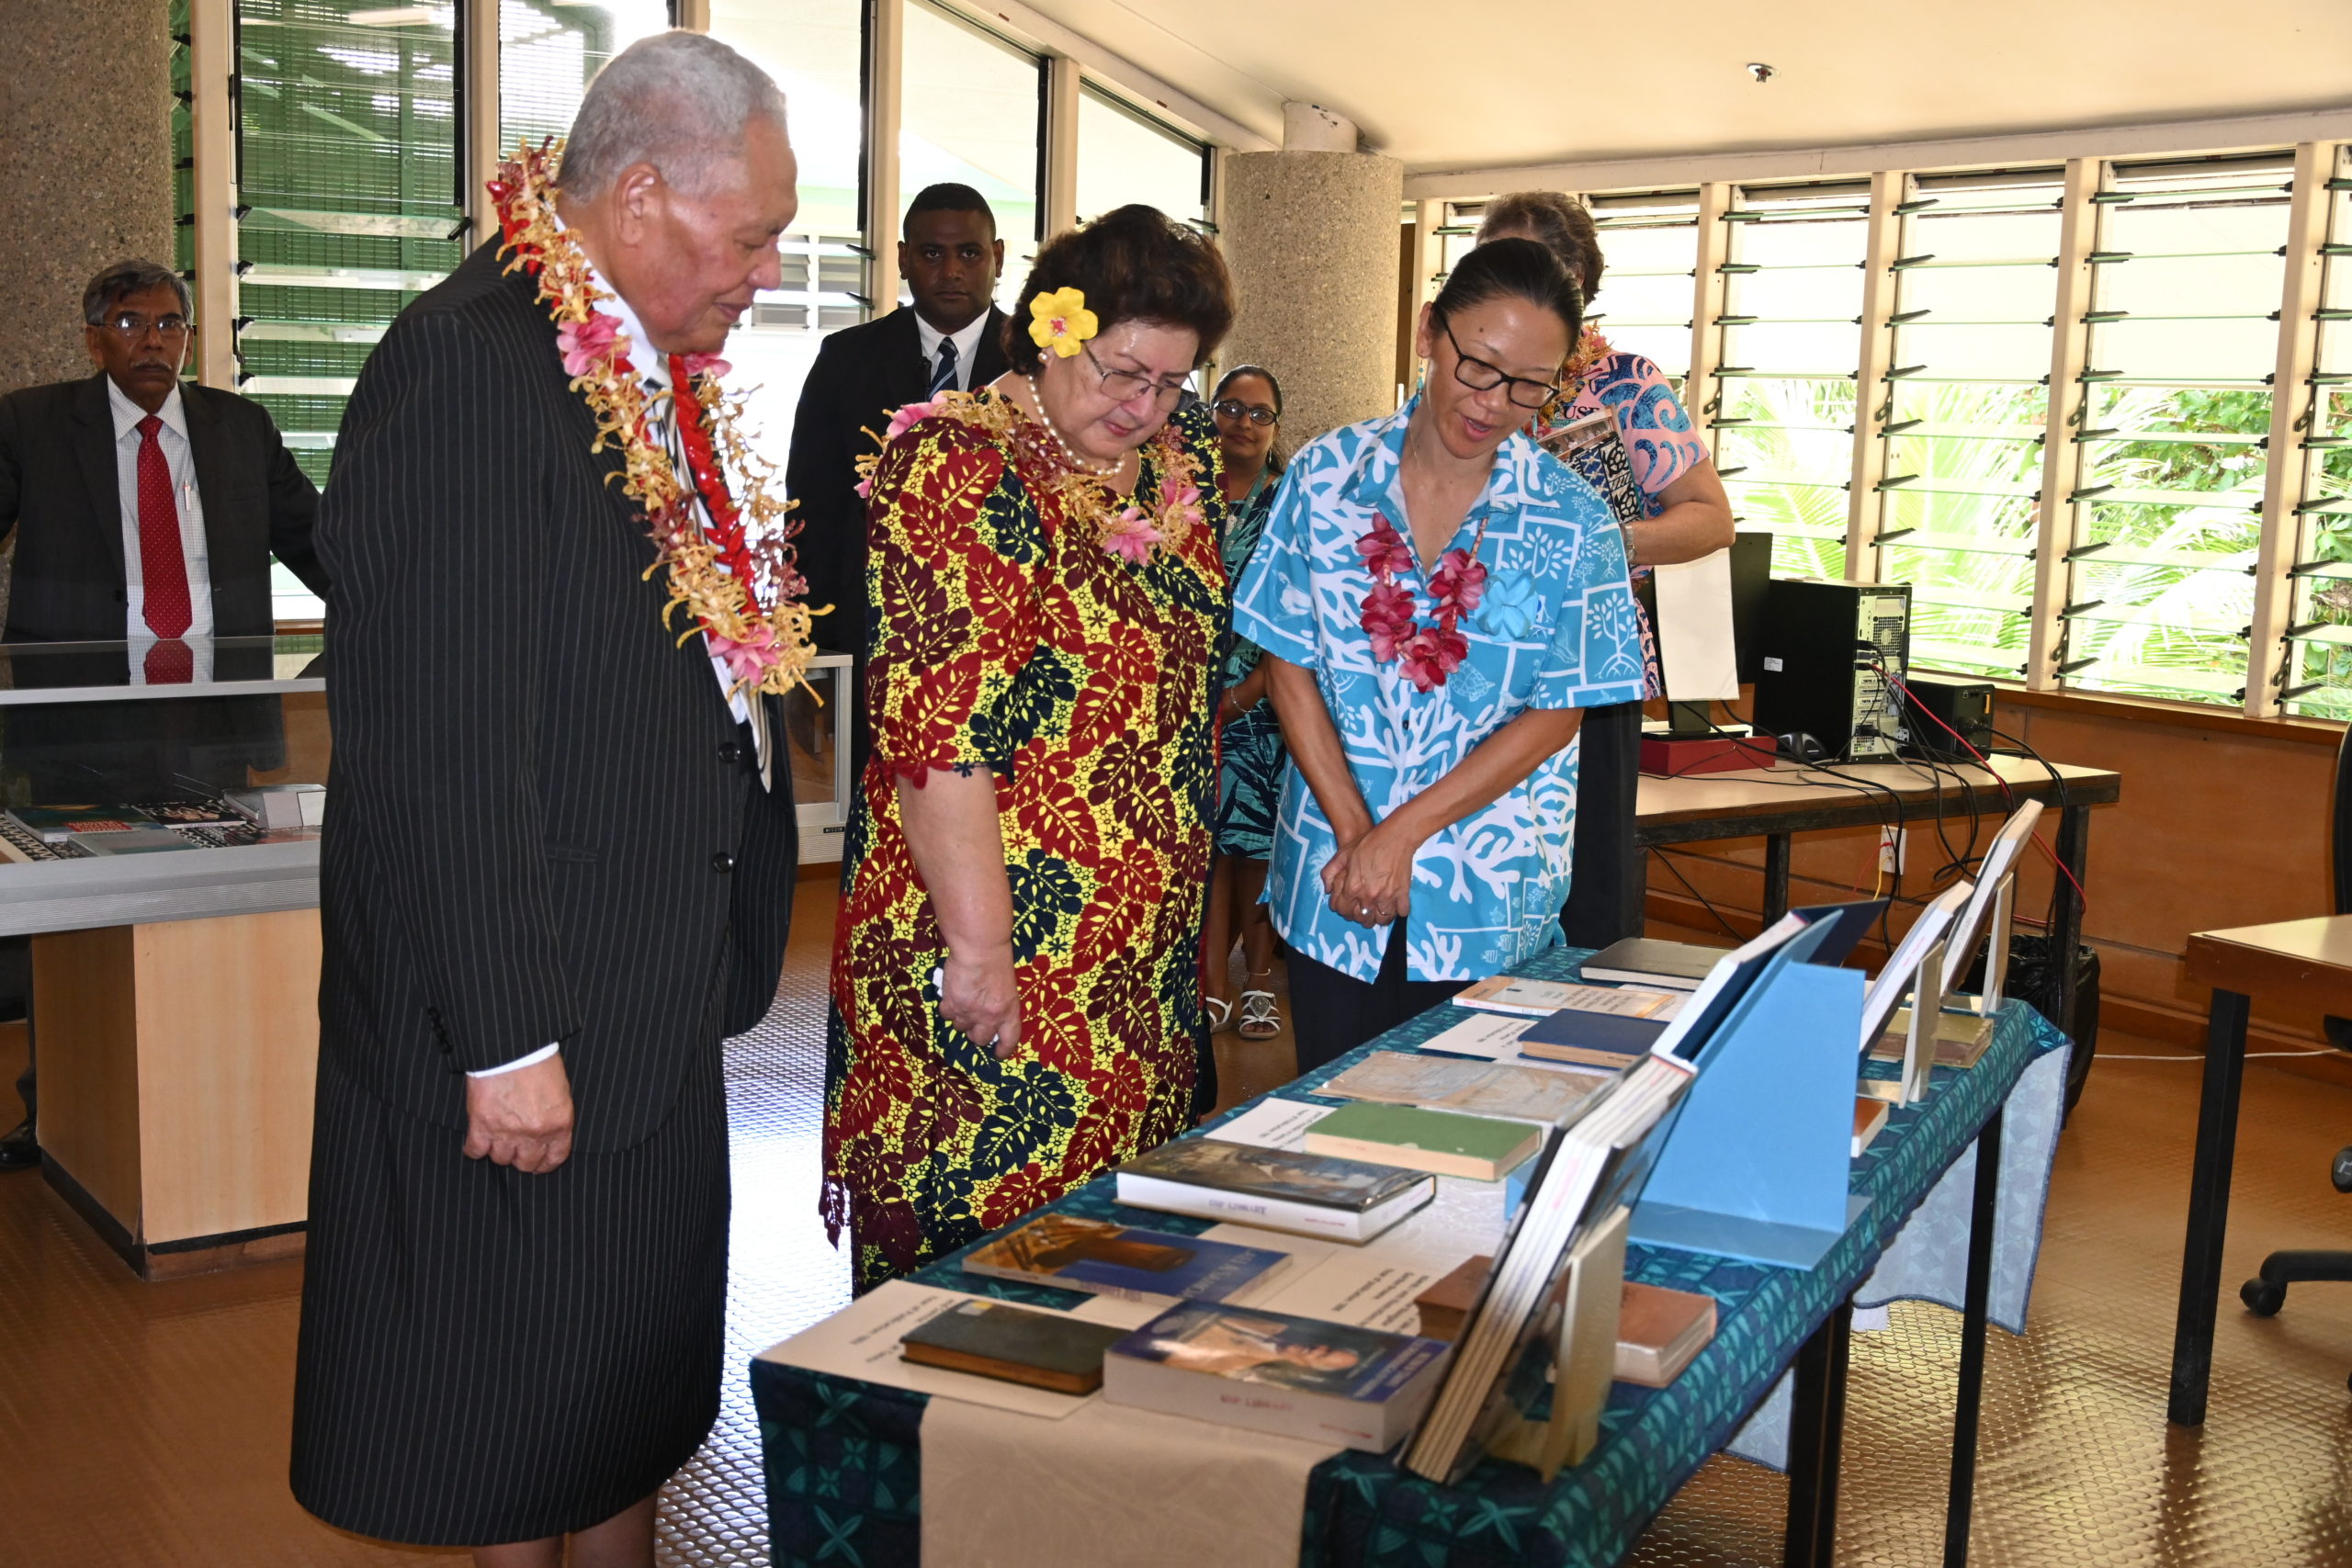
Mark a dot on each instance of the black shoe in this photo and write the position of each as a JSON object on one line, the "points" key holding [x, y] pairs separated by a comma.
{"points": [[18, 1148]]}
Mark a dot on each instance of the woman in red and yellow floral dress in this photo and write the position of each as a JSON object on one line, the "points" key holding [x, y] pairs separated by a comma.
{"points": [[1015, 985]]}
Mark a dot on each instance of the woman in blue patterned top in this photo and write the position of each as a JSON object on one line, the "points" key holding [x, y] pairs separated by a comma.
{"points": [[1438, 601], [1248, 411], [1682, 515]]}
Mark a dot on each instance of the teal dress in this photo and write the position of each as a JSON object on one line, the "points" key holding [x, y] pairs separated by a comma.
{"points": [[1249, 778]]}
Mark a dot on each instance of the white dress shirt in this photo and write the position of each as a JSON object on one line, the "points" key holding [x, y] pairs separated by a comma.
{"points": [[967, 346], [194, 551]]}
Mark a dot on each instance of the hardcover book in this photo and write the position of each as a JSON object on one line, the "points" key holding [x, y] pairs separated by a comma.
{"points": [[1279, 1190], [1044, 1349], [1101, 1258], [134, 842], [58, 824], [1660, 1332], [1541, 999], [189, 813], [1444, 1141], [1869, 1118], [1475, 1089], [1298, 1377], [1646, 961], [1592, 1039]]}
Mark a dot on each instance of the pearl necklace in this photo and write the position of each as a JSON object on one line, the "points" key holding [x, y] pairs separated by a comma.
{"points": [[1069, 454]]}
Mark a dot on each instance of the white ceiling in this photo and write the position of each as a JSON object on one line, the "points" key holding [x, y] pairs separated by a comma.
{"points": [[1454, 84]]}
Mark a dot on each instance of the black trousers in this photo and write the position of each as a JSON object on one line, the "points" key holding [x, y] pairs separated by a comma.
{"points": [[1332, 1013], [1606, 884]]}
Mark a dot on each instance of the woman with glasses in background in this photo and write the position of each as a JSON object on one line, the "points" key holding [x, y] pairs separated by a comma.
{"points": [[1677, 512], [1438, 601], [1249, 410], [1016, 974]]}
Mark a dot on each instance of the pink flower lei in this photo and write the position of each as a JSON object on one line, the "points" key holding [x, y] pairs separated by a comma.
{"points": [[1431, 653]]}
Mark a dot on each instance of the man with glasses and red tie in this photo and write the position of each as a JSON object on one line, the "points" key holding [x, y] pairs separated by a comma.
{"points": [[144, 510]]}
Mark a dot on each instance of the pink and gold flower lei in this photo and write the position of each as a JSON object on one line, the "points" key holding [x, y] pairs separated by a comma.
{"points": [[1431, 653], [737, 579], [1129, 531]]}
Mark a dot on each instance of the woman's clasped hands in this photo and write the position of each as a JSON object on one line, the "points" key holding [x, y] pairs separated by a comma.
{"points": [[1370, 880]]}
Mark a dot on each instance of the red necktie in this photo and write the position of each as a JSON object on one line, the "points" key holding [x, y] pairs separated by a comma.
{"points": [[163, 564]]}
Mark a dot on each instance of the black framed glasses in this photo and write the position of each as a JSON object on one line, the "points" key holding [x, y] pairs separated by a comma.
{"points": [[1480, 376], [1125, 386], [1233, 408], [132, 326]]}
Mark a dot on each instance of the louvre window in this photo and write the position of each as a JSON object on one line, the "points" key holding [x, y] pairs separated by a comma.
{"points": [[2319, 638], [1963, 411], [2175, 419], [1125, 155], [1650, 243], [1792, 347]]}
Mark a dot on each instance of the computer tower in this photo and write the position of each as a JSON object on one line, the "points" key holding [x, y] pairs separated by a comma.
{"points": [[1819, 661], [1948, 715]]}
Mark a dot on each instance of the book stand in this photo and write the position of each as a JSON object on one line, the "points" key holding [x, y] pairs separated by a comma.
{"points": [[1967, 1022], [1585, 1356], [1919, 1039], [1757, 1164]]}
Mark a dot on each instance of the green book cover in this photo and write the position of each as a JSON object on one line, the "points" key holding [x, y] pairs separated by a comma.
{"points": [[1440, 1131], [991, 1331]]}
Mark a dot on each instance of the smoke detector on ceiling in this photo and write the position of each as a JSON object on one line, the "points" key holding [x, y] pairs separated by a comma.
{"points": [[1761, 70]]}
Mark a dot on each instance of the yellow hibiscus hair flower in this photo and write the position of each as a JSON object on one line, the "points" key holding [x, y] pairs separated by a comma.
{"points": [[1061, 322]]}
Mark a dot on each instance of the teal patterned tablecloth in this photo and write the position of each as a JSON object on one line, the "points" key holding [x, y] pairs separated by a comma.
{"points": [[844, 1459]]}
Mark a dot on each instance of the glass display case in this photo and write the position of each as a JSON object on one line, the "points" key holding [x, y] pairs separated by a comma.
{"points": [[159, 781], [161, 809]]}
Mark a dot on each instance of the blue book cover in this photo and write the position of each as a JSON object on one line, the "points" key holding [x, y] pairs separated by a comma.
{"points": [[1605, 1039], [1103, 1258]]}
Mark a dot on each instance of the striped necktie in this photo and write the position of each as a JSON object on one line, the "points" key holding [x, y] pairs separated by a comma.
{"points": [[943, 375]]}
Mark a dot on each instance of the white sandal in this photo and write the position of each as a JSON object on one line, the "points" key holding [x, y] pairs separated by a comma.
{"points": [[1220, 1013], [1260, 1021]]}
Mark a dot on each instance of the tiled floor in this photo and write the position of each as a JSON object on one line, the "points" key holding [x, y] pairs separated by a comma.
{"points": [[145, 1424]]}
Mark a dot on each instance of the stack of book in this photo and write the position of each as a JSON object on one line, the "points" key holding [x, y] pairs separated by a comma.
{"points": [[1101, 1258], [1295, 1377], [1278, 1190], [1444, 1142]]}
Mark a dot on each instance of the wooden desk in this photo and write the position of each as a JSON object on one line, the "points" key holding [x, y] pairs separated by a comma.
{"points": [[1782, 801], [2305, 964]]}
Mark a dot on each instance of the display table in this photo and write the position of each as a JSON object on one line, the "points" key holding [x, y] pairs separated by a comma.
{"points": [[844, 1458]]}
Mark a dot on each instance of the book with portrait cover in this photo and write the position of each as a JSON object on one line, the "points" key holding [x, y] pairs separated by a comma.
{"points": [[1024, 1344], [1104, 1259], [1342, 1200], [1296, 1377]]}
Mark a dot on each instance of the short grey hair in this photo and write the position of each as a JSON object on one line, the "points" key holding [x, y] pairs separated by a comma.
{"points": [[677, 100], [125, 279]]}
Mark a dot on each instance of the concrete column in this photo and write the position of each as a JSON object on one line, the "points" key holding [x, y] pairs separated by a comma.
{"points": [[85, 92], [1311, 235]]}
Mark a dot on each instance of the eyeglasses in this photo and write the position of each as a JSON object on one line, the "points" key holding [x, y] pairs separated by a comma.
{"points": [[1125, 386], [1480, 376], [134, 327], [1233, 408]]}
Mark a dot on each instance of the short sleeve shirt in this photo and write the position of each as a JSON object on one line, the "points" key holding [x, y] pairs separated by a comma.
{"points": [[1556, 628], [1655, 427]]}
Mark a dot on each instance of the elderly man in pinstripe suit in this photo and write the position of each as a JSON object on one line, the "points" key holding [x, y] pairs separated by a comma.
{"points": [[559, 872]]}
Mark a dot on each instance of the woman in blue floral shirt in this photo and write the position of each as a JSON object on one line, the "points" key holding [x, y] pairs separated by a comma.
{"points": [[1438, 601]]}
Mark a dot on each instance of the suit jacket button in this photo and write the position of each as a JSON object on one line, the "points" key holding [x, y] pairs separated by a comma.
{"points": [[723, 863], [730, 754]]}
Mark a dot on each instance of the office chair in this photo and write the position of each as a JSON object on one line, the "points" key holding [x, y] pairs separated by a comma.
{"points": [[2264, 1295]]}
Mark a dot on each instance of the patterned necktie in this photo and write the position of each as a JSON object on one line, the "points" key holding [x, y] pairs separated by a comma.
{"points": [[942, 376], [163, 564]]}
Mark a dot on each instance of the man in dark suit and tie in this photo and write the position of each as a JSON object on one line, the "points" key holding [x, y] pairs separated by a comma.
{"points": [[557, 873], [950, 339], [143, 509]]}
